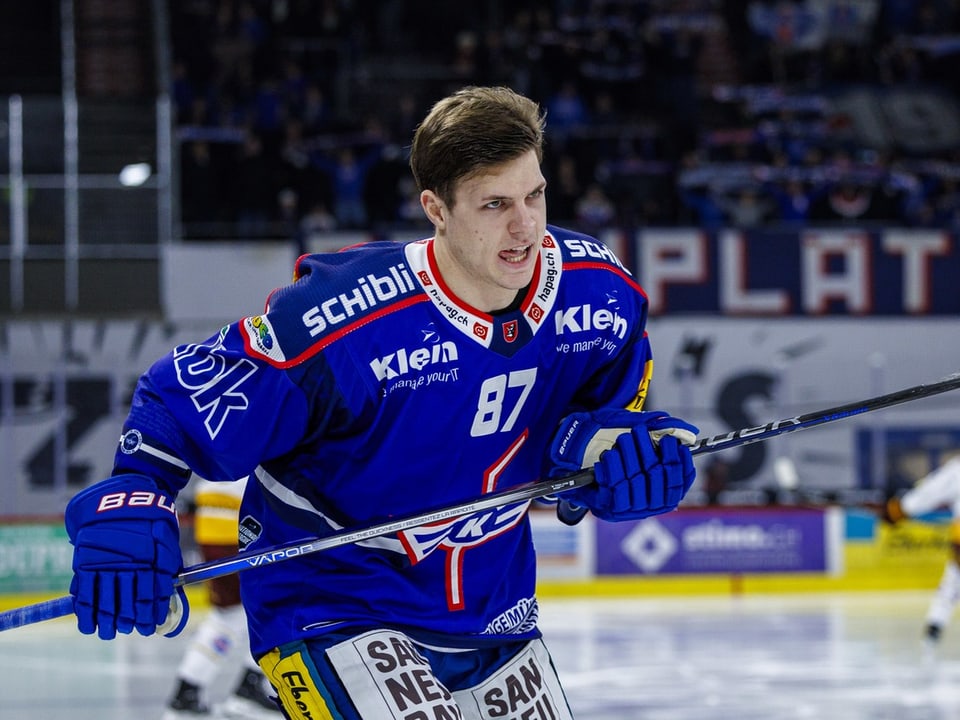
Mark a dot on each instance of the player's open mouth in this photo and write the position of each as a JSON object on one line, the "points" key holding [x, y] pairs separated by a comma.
{"points": [[515, 255]]}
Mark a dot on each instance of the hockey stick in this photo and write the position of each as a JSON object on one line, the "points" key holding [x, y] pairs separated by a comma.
{"points": [[820, 417], [62, 606]]}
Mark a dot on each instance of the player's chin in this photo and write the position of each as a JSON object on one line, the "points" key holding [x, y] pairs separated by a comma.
{"points": [[516, 274]]}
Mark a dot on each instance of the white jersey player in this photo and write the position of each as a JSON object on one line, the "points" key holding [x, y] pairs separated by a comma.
{"points": [[939, 489]]}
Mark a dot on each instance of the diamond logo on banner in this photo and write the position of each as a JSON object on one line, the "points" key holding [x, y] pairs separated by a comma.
{"points": [[649, 545]]}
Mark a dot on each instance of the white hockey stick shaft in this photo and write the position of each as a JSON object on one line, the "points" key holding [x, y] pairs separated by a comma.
{"points": [[62, 606]]}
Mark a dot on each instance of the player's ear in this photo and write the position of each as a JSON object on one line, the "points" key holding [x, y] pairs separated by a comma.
{"points": [[434, 208]]}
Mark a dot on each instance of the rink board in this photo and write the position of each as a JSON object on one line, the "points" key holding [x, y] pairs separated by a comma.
{"points": [[842, 550], [858, 552]]}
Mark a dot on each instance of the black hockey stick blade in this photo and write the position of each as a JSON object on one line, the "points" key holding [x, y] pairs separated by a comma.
{"points": [[745, 436]]}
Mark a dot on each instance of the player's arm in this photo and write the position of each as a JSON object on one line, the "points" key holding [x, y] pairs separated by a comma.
{"points": [[939, 488], [642, 460], [212, 409], [204, 408]]}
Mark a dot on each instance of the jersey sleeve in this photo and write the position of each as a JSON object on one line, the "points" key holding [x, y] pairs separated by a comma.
{"points": [[939, 489], [622, 381], [212, 409]]}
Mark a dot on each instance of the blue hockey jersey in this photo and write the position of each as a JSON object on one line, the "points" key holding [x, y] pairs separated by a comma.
{"points": [[366, 391]]}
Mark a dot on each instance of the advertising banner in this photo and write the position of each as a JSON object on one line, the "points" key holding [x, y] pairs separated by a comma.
{"points": [[718, 540], [35, 558], [813, 272]]}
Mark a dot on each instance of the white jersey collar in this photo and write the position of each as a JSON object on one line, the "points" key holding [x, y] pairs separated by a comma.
{"points": [[474, 323]]}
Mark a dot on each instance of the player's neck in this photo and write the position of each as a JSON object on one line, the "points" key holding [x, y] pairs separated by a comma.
{"points": [[515, 303]]}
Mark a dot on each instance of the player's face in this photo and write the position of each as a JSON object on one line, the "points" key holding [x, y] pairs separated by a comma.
{"points": [[487, 244]]}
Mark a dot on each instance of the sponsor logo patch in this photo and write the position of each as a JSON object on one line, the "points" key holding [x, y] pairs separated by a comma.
{"points": [[262, 338], [250, 529]]}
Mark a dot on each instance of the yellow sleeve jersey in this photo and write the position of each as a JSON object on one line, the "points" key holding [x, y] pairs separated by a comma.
{"points": [[218, 508]]}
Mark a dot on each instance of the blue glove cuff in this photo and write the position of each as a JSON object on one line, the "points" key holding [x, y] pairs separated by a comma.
{"points": [[122, 497]]}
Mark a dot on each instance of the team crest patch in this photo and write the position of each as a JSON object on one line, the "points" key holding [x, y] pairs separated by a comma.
{"points": [[510, 330], [130, 442]]}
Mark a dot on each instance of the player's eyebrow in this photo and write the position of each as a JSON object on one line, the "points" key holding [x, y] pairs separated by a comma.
{"points": [[488, 198]]}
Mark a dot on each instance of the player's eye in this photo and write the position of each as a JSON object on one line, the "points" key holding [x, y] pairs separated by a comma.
{"points": [[494, 204]]}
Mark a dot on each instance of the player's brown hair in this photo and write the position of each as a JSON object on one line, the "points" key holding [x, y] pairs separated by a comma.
{"points": [[471, 130]]}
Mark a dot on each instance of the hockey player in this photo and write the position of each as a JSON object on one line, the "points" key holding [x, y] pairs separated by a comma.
{"points": [[938, 489], [222, 636], [386, 380]]}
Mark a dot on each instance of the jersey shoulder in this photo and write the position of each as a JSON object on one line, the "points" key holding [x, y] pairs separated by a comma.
{"points": [[579, 248], [589, 262], [331, 294]]}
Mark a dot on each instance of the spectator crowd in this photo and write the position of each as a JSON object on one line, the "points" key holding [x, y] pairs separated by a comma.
{"points": [[294, 116]]}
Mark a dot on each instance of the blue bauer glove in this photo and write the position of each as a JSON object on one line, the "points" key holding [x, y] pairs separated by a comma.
{"points": [[126, 556], [642, 463]]}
